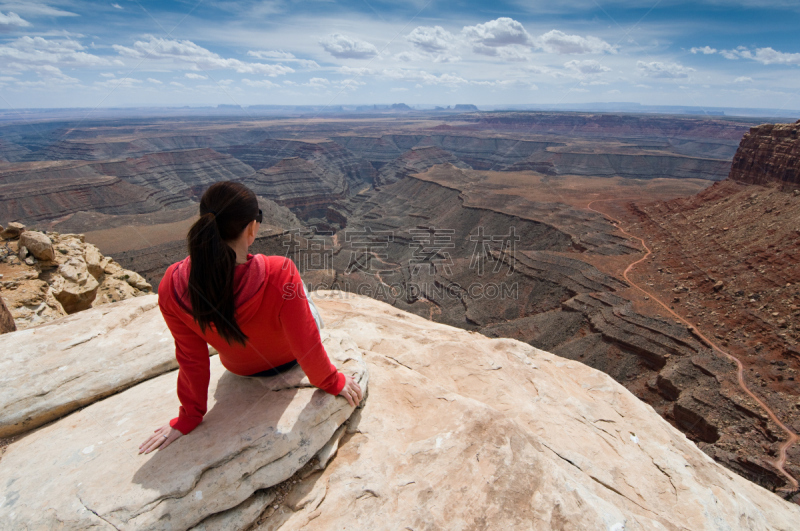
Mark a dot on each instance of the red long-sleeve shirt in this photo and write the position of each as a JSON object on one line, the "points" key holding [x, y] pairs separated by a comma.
{"points": [[271, 310]]}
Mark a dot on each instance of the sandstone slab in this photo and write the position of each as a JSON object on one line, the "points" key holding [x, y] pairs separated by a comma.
{"points": [[257, 433], [467, 432], [38, 244], [51, 370]]}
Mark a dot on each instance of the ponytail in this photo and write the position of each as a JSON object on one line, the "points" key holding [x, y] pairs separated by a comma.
{"points": [[226, 209]]}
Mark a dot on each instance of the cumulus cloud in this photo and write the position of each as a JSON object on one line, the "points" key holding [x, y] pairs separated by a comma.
{"points": [[12, 19], [588, 67], [743, 79], [29, 7], [431, 39], [280, 55], [107, 74], [496, 33], [154, 81], [190, 75], [555, 41], [767, 56], [123, 82], [38, 50], [116, 6], [195, 57], [344, 47], [261, 83], [657, 69], [707, 50], [421, 76]]}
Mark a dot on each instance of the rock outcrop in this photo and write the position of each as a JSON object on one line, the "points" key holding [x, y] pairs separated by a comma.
{"points": [[769, 155], [6, 319], [458, 431], [76, 278], [257, 433]]}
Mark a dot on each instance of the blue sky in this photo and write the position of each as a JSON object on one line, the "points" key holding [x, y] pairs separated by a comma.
{"points": [[72, 53]]}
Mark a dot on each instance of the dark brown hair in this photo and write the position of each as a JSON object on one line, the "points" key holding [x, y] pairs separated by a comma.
{"points": [[226, 209]]}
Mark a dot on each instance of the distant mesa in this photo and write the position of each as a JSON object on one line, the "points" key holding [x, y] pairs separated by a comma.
{"points": [[465, 107]]}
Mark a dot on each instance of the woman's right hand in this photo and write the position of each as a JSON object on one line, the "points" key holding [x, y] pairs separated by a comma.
{"points": [[351, 391]]}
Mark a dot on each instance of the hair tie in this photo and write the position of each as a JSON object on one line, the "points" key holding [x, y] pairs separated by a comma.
{"points": [[212, 212]]}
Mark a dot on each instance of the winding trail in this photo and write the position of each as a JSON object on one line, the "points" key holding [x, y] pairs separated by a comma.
{"points": [[792, 437]]}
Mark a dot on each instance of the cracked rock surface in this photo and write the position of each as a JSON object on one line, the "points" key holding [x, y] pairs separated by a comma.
{"points": [[465, 432], [51, 370], [83, 472]]}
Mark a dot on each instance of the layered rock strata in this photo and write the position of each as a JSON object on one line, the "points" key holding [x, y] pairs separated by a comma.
{"points": [[769, 155]]}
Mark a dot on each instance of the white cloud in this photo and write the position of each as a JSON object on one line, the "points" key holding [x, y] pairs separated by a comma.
{"points": [[12, 19], [107, 74], [657, 69], [123, 82], [707, 50], [116, 6], [555, 41], [190, 75], [46, 72], [36, 9], [317, 82], [345, 47], [262, 83], [588, 67], [357, 71], [38, 50], [154, 81], [420, 76], [743, 79], [280, 55], [176, 84], [398, 89], [770, 56], [195, 57], [432, 40], [496, 33]]}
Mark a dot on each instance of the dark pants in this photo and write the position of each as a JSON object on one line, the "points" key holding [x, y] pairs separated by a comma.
{"points": [[276, 370]]}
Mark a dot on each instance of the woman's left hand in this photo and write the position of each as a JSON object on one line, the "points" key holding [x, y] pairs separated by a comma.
{"points": [[161, 438]]}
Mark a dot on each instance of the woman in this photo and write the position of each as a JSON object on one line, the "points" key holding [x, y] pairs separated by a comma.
{"points": [[252, 309]]}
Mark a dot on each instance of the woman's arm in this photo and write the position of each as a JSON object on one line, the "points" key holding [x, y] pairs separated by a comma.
{"points": [[194, 371], [303, 336]]}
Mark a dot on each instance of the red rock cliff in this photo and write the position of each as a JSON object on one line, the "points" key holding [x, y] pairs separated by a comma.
{"points": [[769, 155]]}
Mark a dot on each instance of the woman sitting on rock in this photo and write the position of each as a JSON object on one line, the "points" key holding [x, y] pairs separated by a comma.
{"points": [[253, 309]]}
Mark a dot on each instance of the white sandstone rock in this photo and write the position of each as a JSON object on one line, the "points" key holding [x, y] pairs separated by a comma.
{"points": [[84, 471], [38, 244]]}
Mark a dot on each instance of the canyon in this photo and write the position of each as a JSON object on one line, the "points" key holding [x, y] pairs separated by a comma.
{"points": [[513, 225]]}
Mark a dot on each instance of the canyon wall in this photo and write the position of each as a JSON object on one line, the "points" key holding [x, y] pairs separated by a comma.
{"points": [[769, 155]]}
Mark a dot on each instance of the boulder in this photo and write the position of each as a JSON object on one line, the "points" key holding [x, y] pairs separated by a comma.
{"points": [[461, 431], [75, 288], [95, 261], [6, 320], [134, 279], [13, 230], [51, 370], [38, 244], [258, 432]]}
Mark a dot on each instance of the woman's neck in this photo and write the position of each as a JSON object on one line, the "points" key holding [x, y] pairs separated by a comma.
{"points": [[241, 248]]}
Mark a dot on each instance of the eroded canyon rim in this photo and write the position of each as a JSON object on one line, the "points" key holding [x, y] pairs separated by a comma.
{"points": [[481, 221]]}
